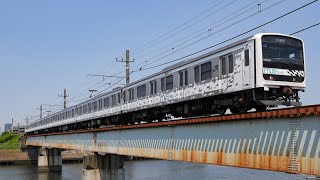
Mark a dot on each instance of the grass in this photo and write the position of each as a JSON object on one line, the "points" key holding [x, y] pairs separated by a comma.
{"points": [[9, 141]]}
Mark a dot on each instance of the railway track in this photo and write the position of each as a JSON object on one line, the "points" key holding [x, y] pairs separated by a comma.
{"points": [[310, 110]]}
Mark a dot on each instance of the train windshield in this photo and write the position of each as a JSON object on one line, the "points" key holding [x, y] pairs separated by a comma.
{"points": [[282, 52], [282, 58]]}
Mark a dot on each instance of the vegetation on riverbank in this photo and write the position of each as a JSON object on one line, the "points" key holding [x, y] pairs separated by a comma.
{"points": [[9, 140]]}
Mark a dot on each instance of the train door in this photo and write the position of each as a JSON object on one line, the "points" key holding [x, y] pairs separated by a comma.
{"points": [[247, 64]]}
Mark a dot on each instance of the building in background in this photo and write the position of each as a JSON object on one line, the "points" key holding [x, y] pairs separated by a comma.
{"points": [[18, 130], [7, 127]]}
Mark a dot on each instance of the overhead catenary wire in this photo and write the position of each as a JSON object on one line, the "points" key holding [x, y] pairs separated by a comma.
{"points": [[174, 29], [218, 10], [167, 62], [306, 28], [207, 37], [177, 28], [234, 37], [266, 23], [104, 85], [220, 30], [212, 7], [299, 31], [200, 32]]}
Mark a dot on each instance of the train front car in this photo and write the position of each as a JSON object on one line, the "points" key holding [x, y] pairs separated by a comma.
{"points": [[280, 70]]}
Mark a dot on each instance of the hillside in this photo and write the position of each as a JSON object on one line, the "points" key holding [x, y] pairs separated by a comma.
{"points": [[9, 140]]}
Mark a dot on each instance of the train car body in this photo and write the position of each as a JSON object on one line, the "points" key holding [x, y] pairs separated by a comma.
{"points": [[260, 71]]}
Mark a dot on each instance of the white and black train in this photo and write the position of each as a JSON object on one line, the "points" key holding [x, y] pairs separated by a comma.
{"points": [[260, 71]]}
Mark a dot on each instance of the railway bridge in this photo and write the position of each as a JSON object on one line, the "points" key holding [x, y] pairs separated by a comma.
{"points": [[280, 140]]}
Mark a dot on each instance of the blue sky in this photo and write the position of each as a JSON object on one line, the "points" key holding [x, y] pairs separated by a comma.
{"points": [[46, 46]]}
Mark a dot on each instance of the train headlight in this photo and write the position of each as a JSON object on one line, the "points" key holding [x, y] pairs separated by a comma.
{"points": [[271, 77]]}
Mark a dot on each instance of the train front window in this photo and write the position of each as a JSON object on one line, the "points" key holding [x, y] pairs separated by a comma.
{"points": [[285, 50], [282, 58]]}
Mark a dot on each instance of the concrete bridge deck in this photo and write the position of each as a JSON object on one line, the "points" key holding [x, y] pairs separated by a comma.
{"points": [[281, 140]]}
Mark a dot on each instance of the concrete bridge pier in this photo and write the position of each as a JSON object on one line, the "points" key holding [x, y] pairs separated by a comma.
{"points": [[103, 167], [49, 159]]}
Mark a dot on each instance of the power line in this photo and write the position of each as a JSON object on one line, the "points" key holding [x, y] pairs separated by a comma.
{"points": [[202, 33], [264, 24], [234, 37], [149, 68], [299, 31], [199, 31], [207, 36], [304, 29], [183, 38], [82, 94], [165, 34], [218, 10]]}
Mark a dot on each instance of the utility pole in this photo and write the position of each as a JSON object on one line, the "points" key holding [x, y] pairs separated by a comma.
{"points": [[65, 98], [127, 66], [40, 111], [12, 125], [27, 121]]}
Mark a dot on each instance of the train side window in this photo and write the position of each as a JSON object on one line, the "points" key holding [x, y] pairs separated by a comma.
{"points": [[80, 110], [163, 84], [169, 82], [230, 58], [141, 91], [118, 98], [84, 109], [206, 72], [131, 93], [100, 104], [95, 106], [75, 111], [246, 57], [106, 102], [113, 100], [196, 74], [223, 66], [153, 87], [185, 77], [124, 96], [89, 107], [181, 78]]}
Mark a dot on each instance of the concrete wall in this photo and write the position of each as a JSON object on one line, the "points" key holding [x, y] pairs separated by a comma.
{"points": [[283, 144]]}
